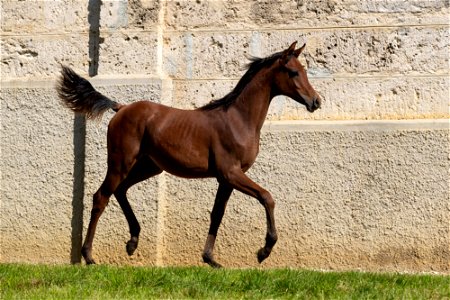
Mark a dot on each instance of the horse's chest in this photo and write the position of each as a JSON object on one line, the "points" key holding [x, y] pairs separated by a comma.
{"points": [[248, 154]]}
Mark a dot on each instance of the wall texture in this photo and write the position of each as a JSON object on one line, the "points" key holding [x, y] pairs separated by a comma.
{"points": [[362, 183]]}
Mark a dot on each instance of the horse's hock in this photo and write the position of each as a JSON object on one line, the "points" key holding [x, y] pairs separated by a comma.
{"points": [[360, 184]]}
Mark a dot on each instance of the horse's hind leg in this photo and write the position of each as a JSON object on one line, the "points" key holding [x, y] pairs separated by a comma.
{"points": [[100, 200], [118, 168], [143, 169]]}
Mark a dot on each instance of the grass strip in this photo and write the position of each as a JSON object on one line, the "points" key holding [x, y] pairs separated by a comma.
{"points": [[18, 281]]}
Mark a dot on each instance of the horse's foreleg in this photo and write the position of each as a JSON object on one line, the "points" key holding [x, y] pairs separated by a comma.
{"points": [[238, 180], [143, 169], [222, 196]]}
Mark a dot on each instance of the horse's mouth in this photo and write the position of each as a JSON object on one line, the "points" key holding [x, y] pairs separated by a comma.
{"points": [[310, 109], [314, 104]]}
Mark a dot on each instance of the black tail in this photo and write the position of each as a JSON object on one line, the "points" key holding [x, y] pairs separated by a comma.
{"points": [[80, 96]]}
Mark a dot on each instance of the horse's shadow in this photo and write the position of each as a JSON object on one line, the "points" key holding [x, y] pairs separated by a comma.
{"points": [[79, 138]]}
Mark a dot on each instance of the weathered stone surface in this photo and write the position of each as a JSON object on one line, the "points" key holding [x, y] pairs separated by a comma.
{"points": [[128, 53], [46, 17], [36, 192], [40, 56], [134, 14], [205, 55], [362, 51], [329, 52], [282, 14], [114, 15]]}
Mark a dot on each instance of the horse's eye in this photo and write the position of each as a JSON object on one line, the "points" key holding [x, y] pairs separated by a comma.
{"points": [[292, 73]]}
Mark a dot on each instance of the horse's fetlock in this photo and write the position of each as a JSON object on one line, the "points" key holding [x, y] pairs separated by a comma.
{"points": [[271, 239], [84, 251], [207, 256], [209, 259], [87, 255], [135, 230]]}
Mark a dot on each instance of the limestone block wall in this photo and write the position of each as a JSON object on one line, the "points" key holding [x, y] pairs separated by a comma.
{"points": [[360, 184]]}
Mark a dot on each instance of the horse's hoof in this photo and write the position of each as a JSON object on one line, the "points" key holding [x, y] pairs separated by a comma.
{"points": [[87, 256], [89, 260], [210, 261], [132, 245], [215, 264], [262, 254]]}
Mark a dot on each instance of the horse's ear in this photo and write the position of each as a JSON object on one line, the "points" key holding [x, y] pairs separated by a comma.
{"points": [[299, 50], [291, 48], [288, 52]]}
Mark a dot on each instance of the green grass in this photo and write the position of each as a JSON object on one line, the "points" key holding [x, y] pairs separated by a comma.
{"points": [[108, 282]]}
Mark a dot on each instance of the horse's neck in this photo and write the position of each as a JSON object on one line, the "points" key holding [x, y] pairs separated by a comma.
{"points": [[252, 104]]}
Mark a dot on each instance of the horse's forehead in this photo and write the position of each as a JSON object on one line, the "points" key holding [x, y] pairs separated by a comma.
{"points": [[294, 63]]}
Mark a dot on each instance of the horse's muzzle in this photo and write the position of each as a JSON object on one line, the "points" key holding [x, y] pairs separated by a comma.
{"points": [[315, 104]]}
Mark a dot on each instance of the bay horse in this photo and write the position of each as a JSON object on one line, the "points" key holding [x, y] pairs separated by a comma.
{"points": [[219, 139]]}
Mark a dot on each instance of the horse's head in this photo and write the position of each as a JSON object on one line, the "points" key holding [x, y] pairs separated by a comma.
{"points": [[292, 81]]}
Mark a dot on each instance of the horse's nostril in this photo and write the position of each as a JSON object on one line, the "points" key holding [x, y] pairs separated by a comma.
{"points": [[317, 102]]}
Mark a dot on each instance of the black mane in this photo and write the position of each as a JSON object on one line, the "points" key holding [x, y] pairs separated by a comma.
{"points": [[253, 67]]}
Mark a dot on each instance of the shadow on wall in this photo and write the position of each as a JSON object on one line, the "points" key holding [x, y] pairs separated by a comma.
{"points": [[79, 143], [79, 138]]}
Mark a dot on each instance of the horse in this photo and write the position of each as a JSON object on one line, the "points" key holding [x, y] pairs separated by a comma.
{"points": [[219, 139]]}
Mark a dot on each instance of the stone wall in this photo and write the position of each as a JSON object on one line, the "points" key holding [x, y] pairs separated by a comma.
{"points": [[360, 184]]}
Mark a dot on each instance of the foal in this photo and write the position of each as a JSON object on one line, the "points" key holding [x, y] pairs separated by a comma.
{"points": [[220, 139]]}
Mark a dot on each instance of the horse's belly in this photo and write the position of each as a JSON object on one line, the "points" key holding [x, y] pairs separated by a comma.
{"points": [[183, 163], [185, 170], [190, 173]]}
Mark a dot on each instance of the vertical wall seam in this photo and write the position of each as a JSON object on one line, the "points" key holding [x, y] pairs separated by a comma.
{"points": [[166, 98], [160, 40]]}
